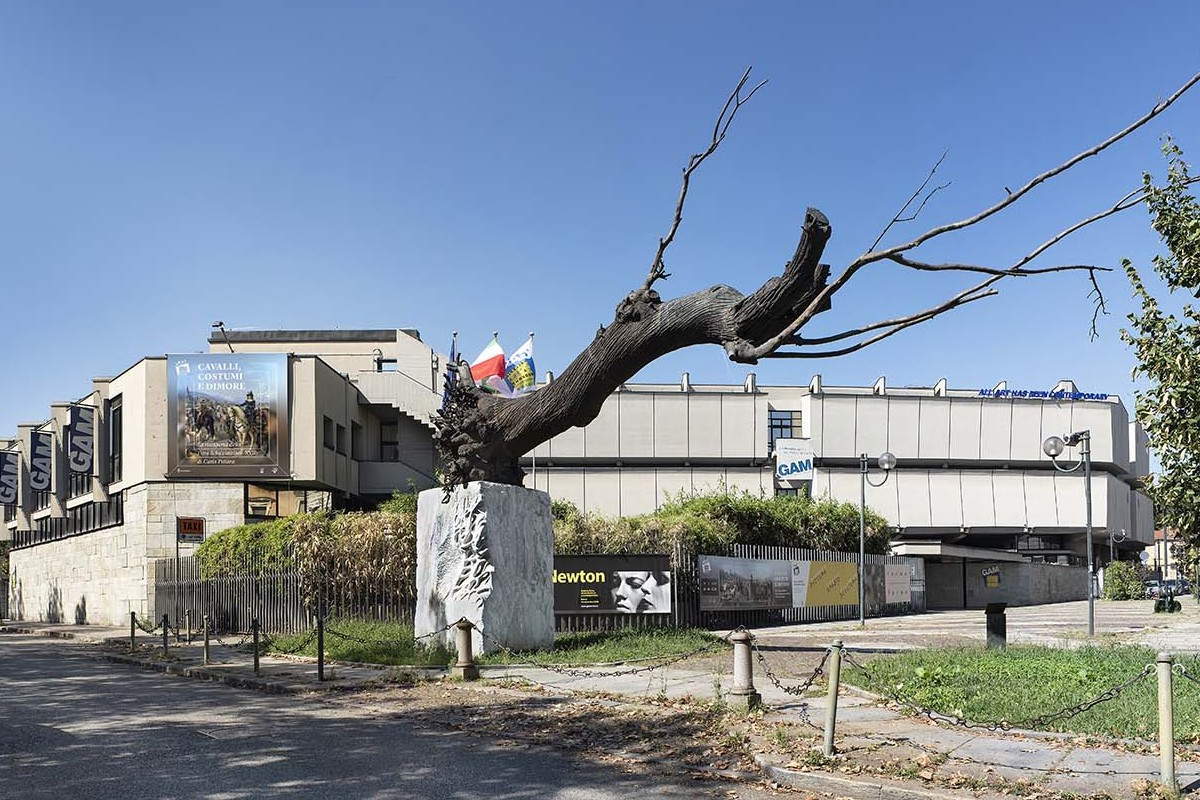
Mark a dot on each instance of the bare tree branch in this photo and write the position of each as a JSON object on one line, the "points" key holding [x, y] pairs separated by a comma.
{"points": [[1011, 198], [733, 103], [896, 217], [822, 300], [897, 326], [961, 298], [1015, 271], [921, 207]]}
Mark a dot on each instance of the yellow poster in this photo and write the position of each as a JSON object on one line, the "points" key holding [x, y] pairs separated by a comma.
{"points": [[832, 583]]}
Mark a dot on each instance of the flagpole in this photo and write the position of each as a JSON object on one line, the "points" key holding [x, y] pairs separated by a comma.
{"points": [[535, 449]]}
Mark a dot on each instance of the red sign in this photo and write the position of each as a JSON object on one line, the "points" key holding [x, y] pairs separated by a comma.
{"points": [[189, 530]]}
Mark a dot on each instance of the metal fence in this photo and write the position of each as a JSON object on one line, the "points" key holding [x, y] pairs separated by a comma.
{"points": [[4, 596], [278, 599], [283, 604]]}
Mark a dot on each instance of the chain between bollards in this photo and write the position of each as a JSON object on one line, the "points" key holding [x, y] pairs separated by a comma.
{"points": [[187, 615], [835, 678], [133, 631], [1166, 723], [207, 653]]}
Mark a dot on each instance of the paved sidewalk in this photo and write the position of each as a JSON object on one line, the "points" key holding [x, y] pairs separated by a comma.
{"points": [[868, 732]]}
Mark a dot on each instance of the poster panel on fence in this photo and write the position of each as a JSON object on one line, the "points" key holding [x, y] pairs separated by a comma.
{"points": [[600, 584], [829, 583], [227, 415], [742, 584], [897, 583]]}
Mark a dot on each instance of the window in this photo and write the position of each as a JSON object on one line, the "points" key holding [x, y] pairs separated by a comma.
{"points": [[270, 501], [329, 435], [389, 442], [41, 500], [385, 365], [783, 425], [10, 512], [81, 519], [115, 437], [341, 439], [356, 441]]}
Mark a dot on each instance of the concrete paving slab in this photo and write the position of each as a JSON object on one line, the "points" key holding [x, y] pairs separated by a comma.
{"points": [[1009, 759]]}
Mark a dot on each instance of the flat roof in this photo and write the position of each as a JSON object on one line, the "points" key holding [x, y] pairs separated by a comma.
{"points": [[337, 335]]}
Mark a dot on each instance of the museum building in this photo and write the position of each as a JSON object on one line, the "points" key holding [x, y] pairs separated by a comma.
{"points": [[972, 485], [265, 424]]}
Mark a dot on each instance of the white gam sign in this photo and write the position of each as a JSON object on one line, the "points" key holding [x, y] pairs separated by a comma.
{"points": [[793, 460]]}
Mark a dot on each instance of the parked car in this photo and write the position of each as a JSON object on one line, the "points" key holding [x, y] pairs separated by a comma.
{"points": [[1153, 588], [1176, 586]]}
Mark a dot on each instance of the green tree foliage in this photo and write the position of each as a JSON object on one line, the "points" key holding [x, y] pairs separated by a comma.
{"points": [[400, 503], [717, 520], [1123, 581], [1167, 348]]}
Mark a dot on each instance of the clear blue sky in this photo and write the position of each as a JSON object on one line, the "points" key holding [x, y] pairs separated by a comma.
{"points": [[476, 166]]}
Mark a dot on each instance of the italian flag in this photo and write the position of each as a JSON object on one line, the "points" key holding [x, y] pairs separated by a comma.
{"points": [[488, 367]]}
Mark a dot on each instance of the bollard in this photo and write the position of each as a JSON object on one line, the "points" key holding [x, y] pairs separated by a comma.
{"points": [[320, 648], [187, 615], [1166, 724], [254, 630], [997, 626], [835, 678], [133, 631], [743, 695], [207, 654], [166, 626], [464, 668]]}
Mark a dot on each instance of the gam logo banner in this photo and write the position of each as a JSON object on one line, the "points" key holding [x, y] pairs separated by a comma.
{"points": [[227, 415], [40, 461], [81, 441], [793, 459], [10, 466]]}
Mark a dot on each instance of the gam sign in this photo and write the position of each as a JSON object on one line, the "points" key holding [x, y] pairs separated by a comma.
{"points": [[793, 459]]}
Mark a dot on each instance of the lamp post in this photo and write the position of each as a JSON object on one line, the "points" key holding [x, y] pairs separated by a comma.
{"points": [[1053, 447], [1114, 537], [887, 463]]}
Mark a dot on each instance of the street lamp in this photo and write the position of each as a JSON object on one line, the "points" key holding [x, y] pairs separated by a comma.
{"points": [[887, 463], [1053, 447], [1114, 538]]}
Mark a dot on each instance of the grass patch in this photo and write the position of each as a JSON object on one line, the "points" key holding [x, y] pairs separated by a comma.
{"points": [[569, 648], [1020, 682], [399, 649], [606, 646]]}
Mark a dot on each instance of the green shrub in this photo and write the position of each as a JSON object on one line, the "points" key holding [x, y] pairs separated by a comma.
{"points": [[712, 521], [400, 503], [1123, 581], [257, 547]]}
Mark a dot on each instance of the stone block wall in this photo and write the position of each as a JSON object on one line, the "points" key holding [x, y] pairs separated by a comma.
{"points": [[97, 578]]}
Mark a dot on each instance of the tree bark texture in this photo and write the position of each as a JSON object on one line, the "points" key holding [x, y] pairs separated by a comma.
{"points": [[481, 436]]}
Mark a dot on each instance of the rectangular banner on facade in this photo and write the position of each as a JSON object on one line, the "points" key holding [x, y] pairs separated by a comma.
{"points": [[612, 584], [10, 468], [748, 584], [227, 415], [793, 459], [41, 460], [81, 441]]}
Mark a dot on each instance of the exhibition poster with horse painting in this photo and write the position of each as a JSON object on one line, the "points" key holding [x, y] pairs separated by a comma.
{"points": [[227, 415]]}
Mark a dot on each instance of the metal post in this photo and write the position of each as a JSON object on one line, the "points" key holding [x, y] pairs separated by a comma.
{"points": [[187, 615], [743, 694], [835, 678], [862, 539], [254, 631], [1166, 723], [166, 626], [132, 631], [207, 654], [1087, 493], [320, 648], [464, 668]]}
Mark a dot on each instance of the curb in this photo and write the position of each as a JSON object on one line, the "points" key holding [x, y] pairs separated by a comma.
{"points": [[206, 674], [838, 786]]}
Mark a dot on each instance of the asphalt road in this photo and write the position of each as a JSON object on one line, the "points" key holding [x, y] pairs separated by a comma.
{"points": [[75, 727]]}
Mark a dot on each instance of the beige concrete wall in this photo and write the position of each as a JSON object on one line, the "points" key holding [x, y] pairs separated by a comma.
{"points": [[628, 491]]}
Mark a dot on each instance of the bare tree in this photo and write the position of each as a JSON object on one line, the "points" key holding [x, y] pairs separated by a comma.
{"points": [[481, 436]]}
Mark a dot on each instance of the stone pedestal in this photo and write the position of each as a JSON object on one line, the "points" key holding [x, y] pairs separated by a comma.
{"points": [[488, 556]]}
